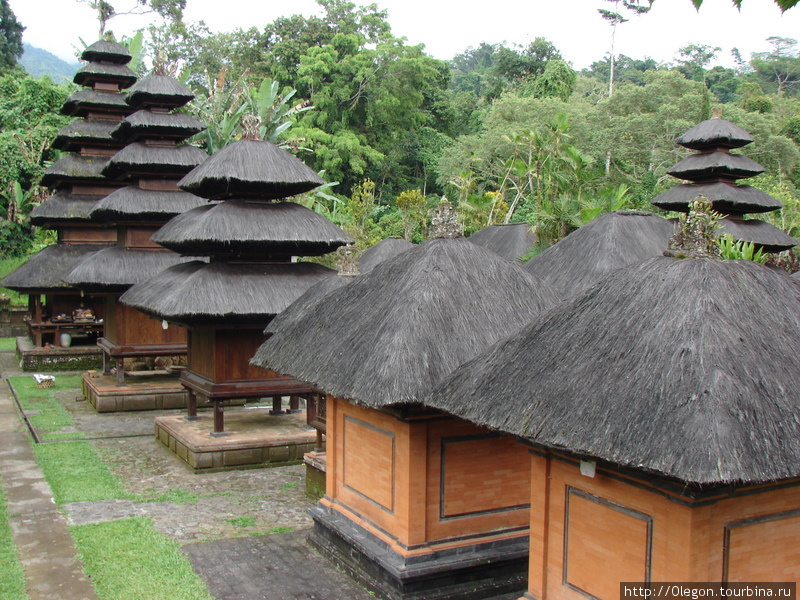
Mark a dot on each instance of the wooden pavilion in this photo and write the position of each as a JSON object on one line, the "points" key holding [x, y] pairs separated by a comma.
{"points": [[250, 236], [607, 243], [509, 240], [79, 183], [714, 172], [413, 504], [151, 163], [660, 413]]}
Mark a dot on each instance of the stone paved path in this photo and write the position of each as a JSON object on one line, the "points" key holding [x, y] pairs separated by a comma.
{"points": [[272, 567]]}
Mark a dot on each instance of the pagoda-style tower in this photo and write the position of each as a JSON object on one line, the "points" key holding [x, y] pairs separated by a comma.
{"points": [[251, 237], [713, 173], [153, 161], [79, 183]]}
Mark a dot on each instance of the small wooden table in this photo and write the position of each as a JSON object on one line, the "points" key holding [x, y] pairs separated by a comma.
{"points": [[37, 329]]}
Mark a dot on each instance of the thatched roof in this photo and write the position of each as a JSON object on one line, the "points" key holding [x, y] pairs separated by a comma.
{"points": [[83, 101], [146, 123], [715, 164], [762, 234], [605, 244], [714, 133], [158, 90], [251, 168], [117, 268], [74, 168], [116, 73], [64, 206], [85, 131], [392, 334], [725, 197], [47, 269], [133, 203], [509, 240], [378, 253], [105, 51], [298, 309], [223, 293], [141, 159], [243, 227], [684, 368]]}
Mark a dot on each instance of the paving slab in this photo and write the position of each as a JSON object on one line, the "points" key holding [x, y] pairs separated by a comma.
{"points": [[280, 566]]}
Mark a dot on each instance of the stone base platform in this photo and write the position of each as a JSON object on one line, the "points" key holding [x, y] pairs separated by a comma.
{"points": [[253, 438], [75, 358], [155, 392], [316, 467]]}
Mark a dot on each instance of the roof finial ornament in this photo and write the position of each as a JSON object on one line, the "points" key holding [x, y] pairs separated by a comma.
{"points": [[695, 234], [716, 112], [444, 221], [160, 62], [251, 128], [347, 259]]}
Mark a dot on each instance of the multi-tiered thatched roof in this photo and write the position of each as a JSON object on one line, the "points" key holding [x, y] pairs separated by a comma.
{"points": [[682, 368], [605, 244], [714, 173], [393, 333]]}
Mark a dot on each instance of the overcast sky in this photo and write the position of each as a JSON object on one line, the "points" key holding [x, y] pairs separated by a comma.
{"points": [[448, 27]]}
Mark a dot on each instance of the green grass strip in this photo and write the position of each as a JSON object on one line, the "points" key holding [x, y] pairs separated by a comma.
{"points": [[52, 415], [76, 474], [128, 559], [12, 577], [8, 344]]}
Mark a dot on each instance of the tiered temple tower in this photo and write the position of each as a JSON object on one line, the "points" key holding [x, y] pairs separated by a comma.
{"points": [[251, 238], [714, 172], [152, 162], [79, 183]]}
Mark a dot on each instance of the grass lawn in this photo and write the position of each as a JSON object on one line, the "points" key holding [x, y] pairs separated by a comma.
{"points": [[6, 266], [52, 415], [12, 578], [128, 559], [8, 344]]}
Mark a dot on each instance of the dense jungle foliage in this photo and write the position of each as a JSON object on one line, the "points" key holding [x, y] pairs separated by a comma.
{"points": [[507, 133]]}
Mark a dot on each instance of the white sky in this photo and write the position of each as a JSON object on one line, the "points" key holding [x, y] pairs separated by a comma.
{"points": [[448, 27]]}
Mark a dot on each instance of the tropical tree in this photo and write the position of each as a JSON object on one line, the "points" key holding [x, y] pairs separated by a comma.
{"points": [[780, 67], [616, 18], [10, 37]]}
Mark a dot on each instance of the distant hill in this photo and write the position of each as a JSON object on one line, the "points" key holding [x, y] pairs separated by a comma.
{"points": [[38, 62]]}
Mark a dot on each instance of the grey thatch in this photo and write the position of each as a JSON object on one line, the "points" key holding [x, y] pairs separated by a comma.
{"points": [[117, 268], [251, 168], [243, 227], [714, 133], [605, 244], [142, 159], [81, 102], [146, 123], [133, 203], [223, 293], [158, 90], [64, 206], [509, 240], [392, 334], [74, 168], [684, 368], [381, 251], [47, 269], [715, 164], [764, 235], [725, 197], [119, 74], [298, 309], [85, 131], [103, 50]]}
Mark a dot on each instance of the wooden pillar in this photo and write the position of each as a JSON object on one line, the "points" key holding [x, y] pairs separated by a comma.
{"points": [[219, 419], [106, 363], [318, 445], [35, 306], [294, 404], [276, 405], [191, 408], [120, 363]]}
